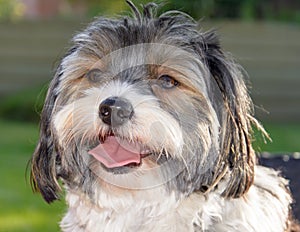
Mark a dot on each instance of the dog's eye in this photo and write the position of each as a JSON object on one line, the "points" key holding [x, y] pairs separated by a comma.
{"points": [[167, 82], [94, 75]]}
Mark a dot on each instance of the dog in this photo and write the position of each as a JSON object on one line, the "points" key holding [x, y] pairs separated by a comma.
{"points": [[147, 126]]}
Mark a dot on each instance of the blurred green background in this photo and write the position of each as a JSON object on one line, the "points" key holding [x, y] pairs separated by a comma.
{"points": [[262, 35]]}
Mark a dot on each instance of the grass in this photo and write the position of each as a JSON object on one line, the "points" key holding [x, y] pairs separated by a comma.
{"points": [[24, 105], [21, 210]]}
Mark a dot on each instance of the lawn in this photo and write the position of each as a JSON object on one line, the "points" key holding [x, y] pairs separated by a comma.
{"points": [[21, 210]]}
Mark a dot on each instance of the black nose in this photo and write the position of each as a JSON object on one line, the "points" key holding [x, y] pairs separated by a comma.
{"points": [[115, 111]]}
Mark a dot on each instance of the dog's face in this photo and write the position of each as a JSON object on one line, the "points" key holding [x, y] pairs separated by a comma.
{"points": [[145, 101]]}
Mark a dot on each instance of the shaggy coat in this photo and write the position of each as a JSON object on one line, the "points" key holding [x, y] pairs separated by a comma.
{"points": [[158, 86]]}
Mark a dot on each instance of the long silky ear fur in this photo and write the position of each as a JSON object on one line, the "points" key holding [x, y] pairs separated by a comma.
{"points": [[236, 148], [44, 160]]}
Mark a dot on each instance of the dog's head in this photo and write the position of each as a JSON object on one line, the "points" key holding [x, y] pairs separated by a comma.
{"points": [[144, 101]]}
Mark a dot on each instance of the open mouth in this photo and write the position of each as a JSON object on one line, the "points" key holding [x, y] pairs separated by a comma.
{"points": [[114, 152]]}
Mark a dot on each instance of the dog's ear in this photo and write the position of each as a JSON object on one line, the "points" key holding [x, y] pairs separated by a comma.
{"points": [[236, 118], [44, 160]]}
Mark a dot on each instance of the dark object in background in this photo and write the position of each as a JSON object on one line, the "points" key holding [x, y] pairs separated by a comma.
{"points": [[289, 165]]}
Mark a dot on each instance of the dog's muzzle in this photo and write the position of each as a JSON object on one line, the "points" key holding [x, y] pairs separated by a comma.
{"points": [[113, 150], [115, 111]]}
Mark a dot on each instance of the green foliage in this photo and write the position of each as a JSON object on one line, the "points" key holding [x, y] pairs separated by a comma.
{"points": [[11, 9], [23, 106], [284, 138], [239, 9], [215, 9], [105, 7]]}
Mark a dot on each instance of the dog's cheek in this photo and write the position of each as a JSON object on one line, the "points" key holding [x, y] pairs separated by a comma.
{"points": [[158, 129], [79, 121], [176, 103]]}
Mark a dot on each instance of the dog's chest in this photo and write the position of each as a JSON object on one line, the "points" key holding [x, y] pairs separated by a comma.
{"points": [[155, 210], [124, 215]]}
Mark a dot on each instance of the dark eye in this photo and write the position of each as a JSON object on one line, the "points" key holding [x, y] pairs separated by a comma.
{"points": [[94, 75], [167, 82]]}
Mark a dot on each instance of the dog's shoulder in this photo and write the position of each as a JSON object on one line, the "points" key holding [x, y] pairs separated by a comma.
{"points": [[265, 207]]}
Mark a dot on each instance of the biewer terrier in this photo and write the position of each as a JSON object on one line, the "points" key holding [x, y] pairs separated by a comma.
{"points": [[147, 126]]}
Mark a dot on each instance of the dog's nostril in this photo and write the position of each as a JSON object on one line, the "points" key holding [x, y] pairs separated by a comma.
{"points": [[115, 111], [105, 111], [125, 113]]}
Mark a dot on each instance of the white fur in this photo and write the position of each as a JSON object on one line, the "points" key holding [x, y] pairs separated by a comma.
{"points": [[263, 208]]}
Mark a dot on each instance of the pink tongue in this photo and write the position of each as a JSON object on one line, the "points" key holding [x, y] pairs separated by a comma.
{"points": [[113, 154]]}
